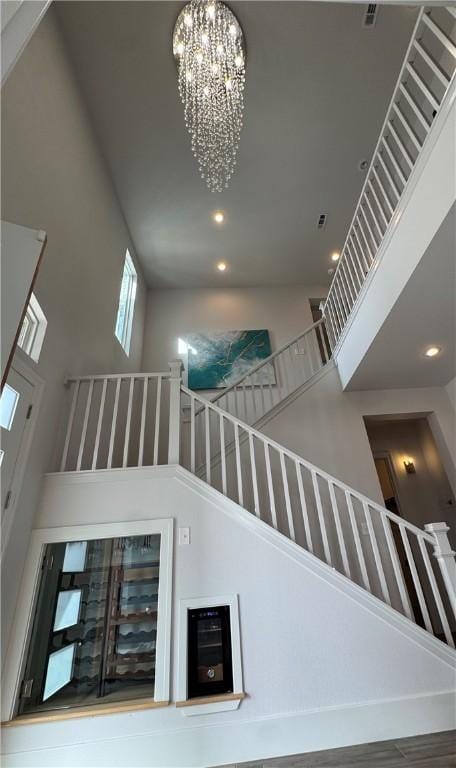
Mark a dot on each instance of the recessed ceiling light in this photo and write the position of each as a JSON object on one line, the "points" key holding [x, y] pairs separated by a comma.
{"points": [[432, 351], [335, 256], [219, 217], [221, 266]]}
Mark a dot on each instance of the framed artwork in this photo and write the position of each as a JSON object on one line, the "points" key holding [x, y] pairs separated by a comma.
{"points": [[218, 359]]}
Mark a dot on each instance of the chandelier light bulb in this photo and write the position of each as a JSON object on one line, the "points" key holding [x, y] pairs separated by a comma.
{"points": [[213, 64]]}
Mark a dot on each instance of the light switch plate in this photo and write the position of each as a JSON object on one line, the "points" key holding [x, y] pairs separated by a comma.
{"points": [[184, 536]]}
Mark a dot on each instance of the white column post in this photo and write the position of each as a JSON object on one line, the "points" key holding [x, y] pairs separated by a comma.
{"points": [[445, 557], [175, 367]]}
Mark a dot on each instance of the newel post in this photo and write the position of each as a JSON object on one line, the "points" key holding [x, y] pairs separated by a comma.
{"points": [[174, 411], [445, 557]]}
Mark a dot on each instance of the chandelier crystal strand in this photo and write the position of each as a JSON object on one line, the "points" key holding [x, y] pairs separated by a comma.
{"points": [[208, 46]]}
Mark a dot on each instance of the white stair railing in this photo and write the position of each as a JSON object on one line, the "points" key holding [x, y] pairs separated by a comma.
{"points": [[121, 420], [134, 420], [426, 77], [388, 556], [271, 381]]}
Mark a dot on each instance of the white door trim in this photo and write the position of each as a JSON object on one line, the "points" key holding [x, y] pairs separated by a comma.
{"points": [[21, 365]]}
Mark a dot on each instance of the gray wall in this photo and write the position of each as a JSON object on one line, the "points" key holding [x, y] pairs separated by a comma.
{"points": [[54, 179], [171, 314], [325, 425]]}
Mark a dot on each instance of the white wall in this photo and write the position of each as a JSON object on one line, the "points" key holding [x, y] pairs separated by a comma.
{"points": [[171, 314], [325, 425], [451, 392], [324, 663], [54, 179]]}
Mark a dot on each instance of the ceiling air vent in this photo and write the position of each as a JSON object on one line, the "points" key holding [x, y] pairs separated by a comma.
{"points": [[370, 16], [322, 220]]}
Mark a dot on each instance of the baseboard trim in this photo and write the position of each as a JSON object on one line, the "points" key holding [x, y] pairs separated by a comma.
{"points": [[232, 741]]}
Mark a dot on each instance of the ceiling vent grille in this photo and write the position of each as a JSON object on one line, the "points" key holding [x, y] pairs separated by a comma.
{"points": [[370, 16], [322, 220]]}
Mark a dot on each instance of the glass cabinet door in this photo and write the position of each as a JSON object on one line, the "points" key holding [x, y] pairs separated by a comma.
{"points": [[95, 625]]}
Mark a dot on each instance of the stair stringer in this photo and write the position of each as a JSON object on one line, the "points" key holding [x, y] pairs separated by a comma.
{"points": [[318, 568]]}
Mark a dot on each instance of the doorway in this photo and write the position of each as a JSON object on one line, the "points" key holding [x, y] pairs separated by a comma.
{"points": [[388, 484], [19, 402], [385, 471], [410, 471]]}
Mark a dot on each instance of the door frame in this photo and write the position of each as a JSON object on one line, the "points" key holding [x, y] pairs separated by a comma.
{"points": [[21, 365], [17, 649], [387, 457]]}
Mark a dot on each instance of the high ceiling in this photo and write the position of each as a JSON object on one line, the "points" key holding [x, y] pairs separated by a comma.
{"points": [[318, 85]]}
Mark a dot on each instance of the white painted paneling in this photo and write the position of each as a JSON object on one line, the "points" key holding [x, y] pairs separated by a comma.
{"points": [[324, 663]]}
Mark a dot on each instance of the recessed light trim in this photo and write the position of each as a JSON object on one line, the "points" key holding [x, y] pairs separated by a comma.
{"points": [[432, 351], [219, 217], [222, 266]]}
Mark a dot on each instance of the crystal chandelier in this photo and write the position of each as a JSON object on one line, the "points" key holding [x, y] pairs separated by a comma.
{"points": [[208, 46]]}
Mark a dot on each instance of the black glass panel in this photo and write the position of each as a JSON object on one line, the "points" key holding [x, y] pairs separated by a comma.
{"points": [[95, 626], [209, 652]]}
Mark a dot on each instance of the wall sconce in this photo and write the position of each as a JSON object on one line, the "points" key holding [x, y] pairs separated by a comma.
{"points": [[409, 466]]}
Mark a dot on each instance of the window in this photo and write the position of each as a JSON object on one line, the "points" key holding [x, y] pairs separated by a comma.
{"points": [[126, 303], [94, 636], [33, 330], [8, 402]]}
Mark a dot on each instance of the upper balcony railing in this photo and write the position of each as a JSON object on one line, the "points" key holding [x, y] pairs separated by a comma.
{"points": [[425, 79]]}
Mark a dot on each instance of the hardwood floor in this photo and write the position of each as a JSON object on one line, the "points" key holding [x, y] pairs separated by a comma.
{"points": [[435, 750]]}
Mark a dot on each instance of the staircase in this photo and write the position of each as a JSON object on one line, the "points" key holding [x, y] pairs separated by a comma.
{"points": [[380, 551], [425, 88], [134, 420], [269, 385]]}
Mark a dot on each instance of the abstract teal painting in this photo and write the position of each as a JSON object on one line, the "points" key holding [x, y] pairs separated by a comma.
{"points": [[218, 359]]}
